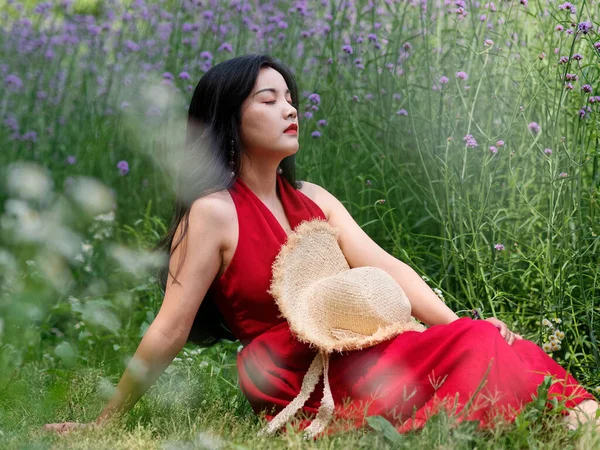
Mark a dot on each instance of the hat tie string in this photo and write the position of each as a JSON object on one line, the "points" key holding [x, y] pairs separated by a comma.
{"points": [[319, 364]]}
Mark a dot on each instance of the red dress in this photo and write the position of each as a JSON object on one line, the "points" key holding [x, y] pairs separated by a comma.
{"points": [[405, 379]]}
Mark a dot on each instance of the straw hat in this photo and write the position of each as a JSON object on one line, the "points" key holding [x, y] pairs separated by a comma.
{"points": [[332, 308]]}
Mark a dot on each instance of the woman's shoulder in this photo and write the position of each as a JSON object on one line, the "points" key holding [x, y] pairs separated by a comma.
{"points": [[317, 194]]}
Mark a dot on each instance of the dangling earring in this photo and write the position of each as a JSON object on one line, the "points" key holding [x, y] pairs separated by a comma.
{"points": [[279, 170], [231, 162]]}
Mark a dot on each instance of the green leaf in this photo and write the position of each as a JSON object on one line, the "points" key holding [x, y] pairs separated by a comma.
{"points": [[383, 426]]}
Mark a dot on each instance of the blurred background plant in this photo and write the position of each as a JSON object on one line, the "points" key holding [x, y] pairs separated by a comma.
{"points": [[463, 137]]}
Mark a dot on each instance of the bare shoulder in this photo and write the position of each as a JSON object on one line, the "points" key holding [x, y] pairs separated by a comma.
{"points": [[319, 195], [213, 213]]}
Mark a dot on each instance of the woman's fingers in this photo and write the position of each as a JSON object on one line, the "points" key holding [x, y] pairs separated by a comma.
{"points": [[64, 427]]}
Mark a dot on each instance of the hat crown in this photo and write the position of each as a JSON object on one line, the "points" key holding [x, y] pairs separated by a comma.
{"points": [[356, 302]]}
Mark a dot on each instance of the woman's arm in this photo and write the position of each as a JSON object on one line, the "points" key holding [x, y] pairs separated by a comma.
{"points": [[154, 354], [200, 251], [425, 304]]}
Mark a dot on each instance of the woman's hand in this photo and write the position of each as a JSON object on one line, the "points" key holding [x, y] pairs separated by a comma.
{"points": [[508, 335], [67, 427]]}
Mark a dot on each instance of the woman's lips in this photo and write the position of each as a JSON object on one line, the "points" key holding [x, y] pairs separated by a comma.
{"points": [[292, 131]]}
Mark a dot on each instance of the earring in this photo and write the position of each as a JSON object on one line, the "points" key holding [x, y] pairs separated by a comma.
{"points": [[279, 170], [231, 162]]}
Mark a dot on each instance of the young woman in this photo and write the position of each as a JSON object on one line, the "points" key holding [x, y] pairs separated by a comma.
{"points": [[236, 206]]}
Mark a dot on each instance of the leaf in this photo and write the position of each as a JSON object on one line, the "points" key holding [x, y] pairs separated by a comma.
{"points": [[383, 426]]}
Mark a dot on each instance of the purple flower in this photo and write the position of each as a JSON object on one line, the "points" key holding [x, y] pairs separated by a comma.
{"points": [[559, 27], [586, 88], [563, 175], [597, 45], [568, 6], [167, 76], [443, 79], [488, 43], [316, 134], [584, 27], [534, 127], [225, 47], [462, 75], [500, 143], [322, 123], [569, 86], [577, 57], [208, 15], [407, 47], [71, 159], [29, 136], [184, 75], [548, 151], [123, 167], [402, 112], [131, 46], [308, 115], [571, 77], [348, 49], [13, 82], [493, 150], [314, 98], [368, 182], [499, 247], [372, 37], [563, 60], [206, 55], [355, 98], [470, 141], [12, 123]]}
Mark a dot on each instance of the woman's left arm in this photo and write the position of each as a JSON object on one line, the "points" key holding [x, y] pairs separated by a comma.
{"points": [[360, 250]]}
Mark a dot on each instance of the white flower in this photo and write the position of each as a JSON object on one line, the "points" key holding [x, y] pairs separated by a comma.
{"points": [[28, 180], [557, 320], [203, 364], [425, 277], [547, 347], [559, 334], [546, 323]]}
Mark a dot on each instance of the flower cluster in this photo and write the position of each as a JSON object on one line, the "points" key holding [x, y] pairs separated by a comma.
{"points": [[555, 336]]}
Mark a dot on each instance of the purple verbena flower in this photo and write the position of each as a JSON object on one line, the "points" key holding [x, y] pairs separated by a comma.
{"points": [[548, 151], [563, 174], [577, 57], [314, 98], [563, 60], [348, 49], [402, 112], [534, 127], [308, 115], [13, 82], [500, 143], [184, 75], [462, 75], [322, 123], [586, 88], [499, 247], [123, 167], [443, 79], [584, 27], [470, 141], [493, 150], [71, 159], [316, 134]]}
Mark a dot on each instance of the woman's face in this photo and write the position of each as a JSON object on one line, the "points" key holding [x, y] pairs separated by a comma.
{"points": [[266, 113]]}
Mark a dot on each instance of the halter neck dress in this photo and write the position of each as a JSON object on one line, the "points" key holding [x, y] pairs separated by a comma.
{"points": [[465, 367]]}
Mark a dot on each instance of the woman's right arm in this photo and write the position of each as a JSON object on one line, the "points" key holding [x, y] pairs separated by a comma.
{"points": [[166, 336]]}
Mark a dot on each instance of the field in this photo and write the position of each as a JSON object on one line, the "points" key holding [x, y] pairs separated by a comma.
{"points": [[463, 136]]}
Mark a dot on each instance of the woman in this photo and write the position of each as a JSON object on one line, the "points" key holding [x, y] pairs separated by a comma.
{"points": [[243, 128]]}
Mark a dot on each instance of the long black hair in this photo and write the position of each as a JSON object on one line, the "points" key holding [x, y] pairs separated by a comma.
{"points": [[214, 120]]}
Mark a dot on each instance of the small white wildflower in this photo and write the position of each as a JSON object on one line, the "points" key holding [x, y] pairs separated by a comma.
{"points": [[79, 257], [425, 277], [597, 388], [555, 345], [203, 364], [559, 334], [176, 359], [547, 347], [557, 320], [546, 323], [87, 248], [30, 262], [552, 338]]}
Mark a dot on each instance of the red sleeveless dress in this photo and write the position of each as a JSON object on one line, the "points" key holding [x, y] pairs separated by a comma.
{"points": [[405, 379]]}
